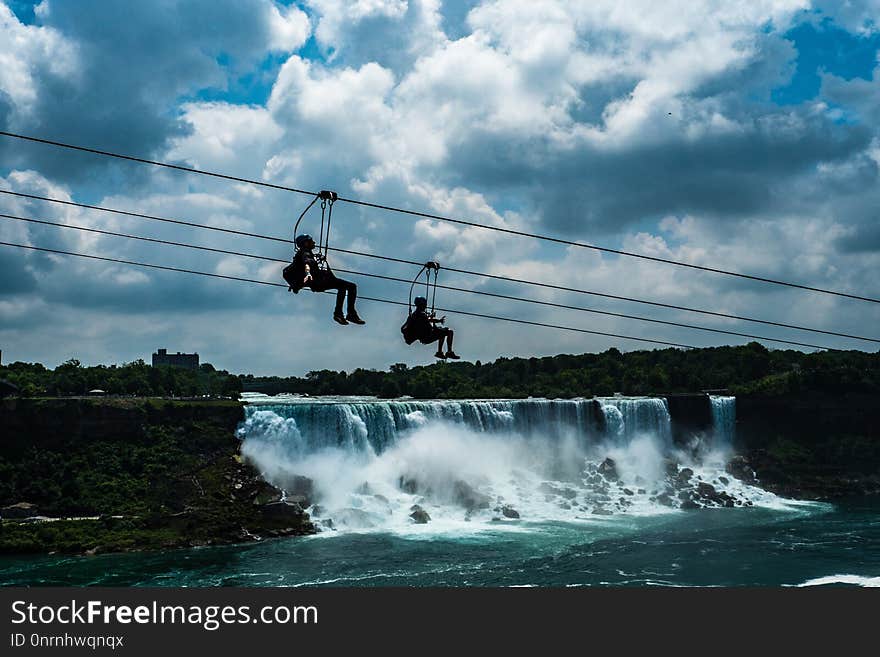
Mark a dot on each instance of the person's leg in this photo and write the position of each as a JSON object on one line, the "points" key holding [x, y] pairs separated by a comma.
{"points": [[332, 283], [449, 353], [352, 315]]}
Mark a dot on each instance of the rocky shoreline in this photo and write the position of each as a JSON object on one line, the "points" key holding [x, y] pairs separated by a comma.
{"points": [[87, 477]]}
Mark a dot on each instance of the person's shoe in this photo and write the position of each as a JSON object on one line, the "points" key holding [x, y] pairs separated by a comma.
{"points": [[451, 354], [354, 318], [339, 318], [440, 354]]}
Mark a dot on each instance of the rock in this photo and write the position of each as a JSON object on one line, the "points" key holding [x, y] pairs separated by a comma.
{"points": [[381, 498], [278, 511], [564, 505], [665, 499], [627, 491], [568, 493], [408, 485], [300, 487], [419, 515], [509, 512], [740, 468], [19, 510], [724, 480], [608, 469], [602, 511], [641, 491], [264, 493], [684, 476], [671, 468], [707, 490], [356, 518], [465, 495], [689, 505]]}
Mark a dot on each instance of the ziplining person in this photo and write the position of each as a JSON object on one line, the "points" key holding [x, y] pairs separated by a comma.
{"points": [[313, 271], [421, 325]]}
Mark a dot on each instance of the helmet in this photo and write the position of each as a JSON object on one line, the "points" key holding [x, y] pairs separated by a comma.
{"points": [[302, 240], [420, 302]]}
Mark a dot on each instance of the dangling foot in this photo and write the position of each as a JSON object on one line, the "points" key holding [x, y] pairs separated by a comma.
{"points": [[339, 318], [451, 354], [354, 318], [440, 354]]}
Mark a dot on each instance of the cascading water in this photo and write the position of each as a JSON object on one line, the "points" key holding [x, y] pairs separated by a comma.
{"points": [[723, 420], [463, 464]]}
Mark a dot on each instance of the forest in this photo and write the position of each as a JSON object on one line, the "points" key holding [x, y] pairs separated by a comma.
{"points": [[747, 369]]}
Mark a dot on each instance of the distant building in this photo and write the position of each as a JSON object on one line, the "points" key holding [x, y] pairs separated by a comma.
{"points": [[188, 361]]}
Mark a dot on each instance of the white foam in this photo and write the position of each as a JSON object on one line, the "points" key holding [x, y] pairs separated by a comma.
{"points": [[852, 580]]}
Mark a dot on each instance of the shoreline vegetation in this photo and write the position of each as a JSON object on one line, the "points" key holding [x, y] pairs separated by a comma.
{"points": [[85, 474]]}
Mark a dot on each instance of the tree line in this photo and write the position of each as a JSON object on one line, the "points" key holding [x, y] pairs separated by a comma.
{"points": [[136, 378], [750, 368]]}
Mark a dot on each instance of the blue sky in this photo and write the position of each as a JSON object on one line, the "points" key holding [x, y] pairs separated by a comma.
{"points": [[739, 135]]}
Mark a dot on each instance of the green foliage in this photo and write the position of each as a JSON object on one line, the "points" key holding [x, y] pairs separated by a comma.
{"points": [[136, 378], [747, 369]]}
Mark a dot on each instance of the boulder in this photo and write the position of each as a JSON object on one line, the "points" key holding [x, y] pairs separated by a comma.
{"points": [[280, 511], [408, 485], [740, 468], [689, 505], [608, 469], [509, 512], [684, 476], [601, 511], [468, 497], [419, 515]]}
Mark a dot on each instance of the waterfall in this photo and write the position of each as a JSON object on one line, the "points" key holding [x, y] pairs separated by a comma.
{"points": [[308, 425], [466, 464], [723, 420]]}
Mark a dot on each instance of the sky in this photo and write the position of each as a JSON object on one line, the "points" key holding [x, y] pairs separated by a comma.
{"points": [[741, 135]]}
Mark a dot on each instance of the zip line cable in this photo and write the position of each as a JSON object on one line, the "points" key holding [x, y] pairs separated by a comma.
{"points": [[426, 215], [402, 280], [507, 279], [388, 301]]}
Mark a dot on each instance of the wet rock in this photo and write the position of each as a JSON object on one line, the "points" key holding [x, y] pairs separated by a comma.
{"points": [[602, 511], [689, 505], [684, 476], [381, 498], [19, 510], [468, 497], [740, 468], [564, 505], [724, 480], [627, 491], [665, 499], [608, 469], [568, 493], [671, 468], [419, 515], [707, 490], [509, 512], [408, 485], [357, 518], [641, 491], [281, 511]]}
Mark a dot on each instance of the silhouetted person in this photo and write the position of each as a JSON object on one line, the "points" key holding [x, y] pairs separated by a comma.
{"points": [[422, 326], [305, 271]]}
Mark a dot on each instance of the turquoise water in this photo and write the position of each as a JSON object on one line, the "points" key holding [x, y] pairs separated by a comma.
{"points": [[814, 543]]}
